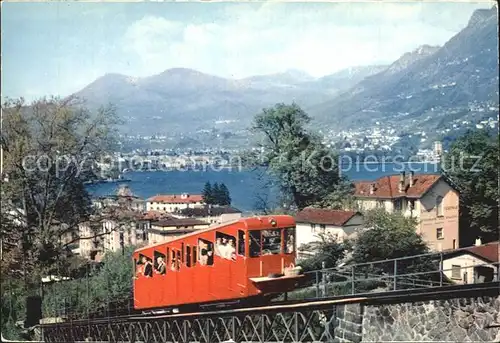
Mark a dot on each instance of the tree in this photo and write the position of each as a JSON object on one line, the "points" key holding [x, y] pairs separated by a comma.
{"points": [[306, 171], [225, 197], [207, 194], [327, 250], [47, 147], [472, 164], [390, 236], [216, 194]]}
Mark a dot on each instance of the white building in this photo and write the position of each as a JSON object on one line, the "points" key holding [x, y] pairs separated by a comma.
{"points": [[472, 265], [173, 203], [211, 214], [312, 223]]}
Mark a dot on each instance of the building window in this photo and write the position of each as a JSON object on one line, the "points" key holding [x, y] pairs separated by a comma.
{"points": [[411, 204], [313, 227], [455, 272], [439, 233], [439, 206], [454, 244], [380, 204], [398, 205], [322, 227]]}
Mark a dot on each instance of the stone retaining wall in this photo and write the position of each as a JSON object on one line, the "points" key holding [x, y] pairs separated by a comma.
{"points": [[454, 320]]}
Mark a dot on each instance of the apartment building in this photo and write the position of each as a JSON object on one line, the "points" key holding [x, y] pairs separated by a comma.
{"points": [[170, 228], [429, 198], [173, 203], [97, 238], [211, 214]]}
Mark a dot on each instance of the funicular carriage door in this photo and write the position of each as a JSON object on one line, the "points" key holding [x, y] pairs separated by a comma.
{"points": [[271, 259], [204, 268], [225, 260], [159, 273], [143, 281]]}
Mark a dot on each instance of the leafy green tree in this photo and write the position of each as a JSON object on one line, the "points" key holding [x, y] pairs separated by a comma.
{"points": [[326, 250], [472, 164], [207, 194], [390, 236], [225, 197], [216, 194], [47, 146], [305, 170]]}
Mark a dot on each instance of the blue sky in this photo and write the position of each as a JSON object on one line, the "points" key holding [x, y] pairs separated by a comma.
{"points": [[58, 48]]}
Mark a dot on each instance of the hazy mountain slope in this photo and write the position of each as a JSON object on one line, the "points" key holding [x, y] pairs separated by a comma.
{"points": [[429, 82], [183, 100]]}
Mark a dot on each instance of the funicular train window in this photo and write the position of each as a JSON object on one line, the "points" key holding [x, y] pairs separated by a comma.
{"points": [[271, 242], [206, 252], [254, 243], [225, 246], [241, 242], [178, 261], [172, 261], [195, 256], [167, 261], [159, 263], [188, 256], [289, 238], [182, 252]]}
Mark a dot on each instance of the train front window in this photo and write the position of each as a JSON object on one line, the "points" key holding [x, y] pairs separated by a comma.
{"points": [[289, 237], [255, 243], [271, 242]]}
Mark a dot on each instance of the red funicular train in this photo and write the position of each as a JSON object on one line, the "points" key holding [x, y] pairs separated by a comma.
{"points": [[249, 259]]}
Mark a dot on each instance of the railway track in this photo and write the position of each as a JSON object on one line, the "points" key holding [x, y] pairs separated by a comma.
{"points": [[492, 288]]}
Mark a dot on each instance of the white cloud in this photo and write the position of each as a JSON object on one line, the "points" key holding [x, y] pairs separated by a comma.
{"points": [[317, 38]]}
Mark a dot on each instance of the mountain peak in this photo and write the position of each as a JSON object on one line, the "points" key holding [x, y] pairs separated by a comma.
{"points": [[426, 49], [482, 14]]}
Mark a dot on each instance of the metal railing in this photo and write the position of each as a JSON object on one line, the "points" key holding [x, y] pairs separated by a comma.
{"points": [[405, 273]]}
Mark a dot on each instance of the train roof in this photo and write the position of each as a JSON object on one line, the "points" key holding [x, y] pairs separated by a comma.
{"points": [[217, 227]]}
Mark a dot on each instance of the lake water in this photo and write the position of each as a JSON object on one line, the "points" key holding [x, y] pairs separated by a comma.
{"points": [[245, 186]]}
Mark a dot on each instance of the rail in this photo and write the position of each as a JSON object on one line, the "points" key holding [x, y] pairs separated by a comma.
{"points": [[404, 273]]}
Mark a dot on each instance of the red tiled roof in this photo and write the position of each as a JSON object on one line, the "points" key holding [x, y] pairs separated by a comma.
{"points": [[324, 216], [176, 198], [154, 215], [488, 251], [388, 186]]}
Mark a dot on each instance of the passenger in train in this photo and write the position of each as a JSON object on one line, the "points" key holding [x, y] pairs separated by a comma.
{"points": [[161, 268], [231, 250], [140, 266], [206, 254], [290, 244], [172, 266], [148, 268], [218, 245]]}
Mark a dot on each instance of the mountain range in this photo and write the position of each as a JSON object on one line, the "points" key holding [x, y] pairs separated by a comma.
{"points": [[423, 88]]}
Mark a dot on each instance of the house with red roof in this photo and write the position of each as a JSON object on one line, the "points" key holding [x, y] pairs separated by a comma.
{"points": [[472, 264], [430, 198], [312, 223], [173, 202]]}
